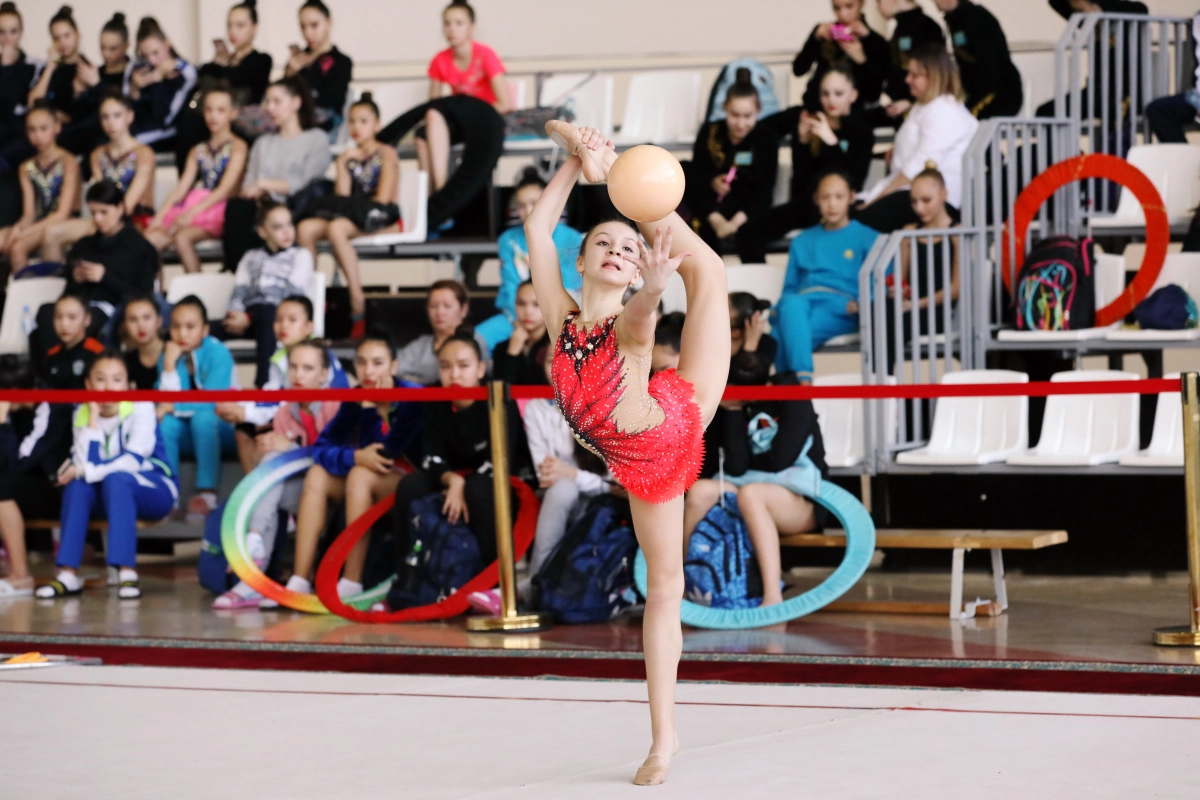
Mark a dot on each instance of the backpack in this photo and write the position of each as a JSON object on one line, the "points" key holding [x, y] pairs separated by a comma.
{"points": [[1169, 308], [720, 570], [1056, 286], [760, 76], [442, 557], [589, 576]]}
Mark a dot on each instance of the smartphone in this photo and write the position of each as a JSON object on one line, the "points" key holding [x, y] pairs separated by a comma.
{"points": [[295, 48], [841, 33], [219, 46]]}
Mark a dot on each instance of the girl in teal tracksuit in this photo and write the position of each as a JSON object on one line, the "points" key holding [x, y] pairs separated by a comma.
{"points": [[820, 292], [514, 261], [118, 464], [194, 360]]}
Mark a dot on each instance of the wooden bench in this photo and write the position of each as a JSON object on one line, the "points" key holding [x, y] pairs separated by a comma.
{"points": [[960, 541]]}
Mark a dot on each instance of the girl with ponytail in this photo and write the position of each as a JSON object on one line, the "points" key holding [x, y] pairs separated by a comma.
{"points": [[160, 85], [732, 172], [59, 83]]}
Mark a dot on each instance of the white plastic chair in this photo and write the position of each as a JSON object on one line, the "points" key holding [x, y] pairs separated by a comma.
{"points": [[213, 288], [516, 93], [661, 108], [316, 293], [1183, 270], [414, 211], [1084, 430], [489, 273], [841, 421], [1166, 442], [764, 281], [21, 305], [588, 95], [1109, 282], [1174, 169], [975, 430]]}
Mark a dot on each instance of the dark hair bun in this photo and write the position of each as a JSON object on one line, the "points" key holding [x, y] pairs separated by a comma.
{"points": [[8, 7], [366, 97], [66, 11], [743, 76], [118, 19], [251, 4]]}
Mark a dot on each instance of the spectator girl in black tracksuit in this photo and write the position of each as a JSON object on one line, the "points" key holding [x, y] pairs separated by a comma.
{"points": [[837, 138], [456, 436], [17, 74], [244, 71], [35, 442], [914, 30], [732, 173], [327, 69], [847, 40], [990, 79], [160, 85]]}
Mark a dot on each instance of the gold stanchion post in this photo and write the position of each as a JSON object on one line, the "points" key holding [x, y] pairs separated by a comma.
{"points": [[509, 620], [1189, 635]]}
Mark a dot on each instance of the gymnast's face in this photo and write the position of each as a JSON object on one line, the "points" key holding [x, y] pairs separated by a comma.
{"points": [[847, 12], [609, 255]]}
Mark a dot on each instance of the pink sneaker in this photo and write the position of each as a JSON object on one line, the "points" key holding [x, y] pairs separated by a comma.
{"points": [[485, 602]]}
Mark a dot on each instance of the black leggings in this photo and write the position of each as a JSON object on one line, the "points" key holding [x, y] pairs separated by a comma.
{"points": [[262, 330], [479, 128], [762, 229], [241, 231]]}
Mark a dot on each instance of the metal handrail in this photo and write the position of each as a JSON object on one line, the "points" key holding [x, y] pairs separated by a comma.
{"points": [[909, 345]]}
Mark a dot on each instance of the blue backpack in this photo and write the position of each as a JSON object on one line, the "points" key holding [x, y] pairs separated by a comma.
{"points": [[442, 557], [589, 576], [212, 567], [720, 570], [760, 76]]}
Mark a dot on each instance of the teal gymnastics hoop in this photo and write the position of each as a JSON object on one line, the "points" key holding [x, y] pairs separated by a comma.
{"points": [[860, 545]]}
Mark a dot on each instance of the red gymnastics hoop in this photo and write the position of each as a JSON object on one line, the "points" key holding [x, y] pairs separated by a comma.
{"points": [[331, 566], [1118, 170]]}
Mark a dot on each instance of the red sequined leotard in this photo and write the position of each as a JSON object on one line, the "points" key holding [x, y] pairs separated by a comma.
{"points": [[651, 437]]}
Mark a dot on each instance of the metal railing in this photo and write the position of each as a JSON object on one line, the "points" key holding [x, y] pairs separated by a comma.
{"points": [[1108, 67], [905, 343], [1004, 156]]}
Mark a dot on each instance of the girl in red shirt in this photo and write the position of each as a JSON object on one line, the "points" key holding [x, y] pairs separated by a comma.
{"points": [[466, 67]]}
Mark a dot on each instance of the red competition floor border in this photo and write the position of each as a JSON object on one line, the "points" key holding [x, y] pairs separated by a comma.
{"points": [[734, 668]]}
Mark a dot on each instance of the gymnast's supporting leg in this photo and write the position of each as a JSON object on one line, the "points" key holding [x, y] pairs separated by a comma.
{"points": [[659, 529]]}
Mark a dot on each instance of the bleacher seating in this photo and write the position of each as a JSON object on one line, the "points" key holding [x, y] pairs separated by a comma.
{"points": [[213, 288], [975, 430], [1174, 169], [662, 108], [1183, 270], [1088, 429], [21, 305], [588, 95], [1166, 441]]}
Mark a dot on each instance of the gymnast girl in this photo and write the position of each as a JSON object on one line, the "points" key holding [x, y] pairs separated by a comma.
{"points": [[648, 431]]}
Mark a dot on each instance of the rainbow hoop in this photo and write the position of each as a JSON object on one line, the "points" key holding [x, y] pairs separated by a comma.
{"points": [[860, 545], [326, 601], [233, 534]]}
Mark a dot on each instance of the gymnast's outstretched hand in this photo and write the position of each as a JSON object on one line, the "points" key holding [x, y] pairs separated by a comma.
{"points": [[656, 265]]}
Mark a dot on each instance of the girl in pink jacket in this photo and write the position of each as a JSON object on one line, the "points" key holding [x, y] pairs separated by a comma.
{"points": [[295, 425]]}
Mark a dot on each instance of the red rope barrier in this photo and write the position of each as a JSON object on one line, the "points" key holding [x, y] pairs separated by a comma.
{"points": [[901, 392]]}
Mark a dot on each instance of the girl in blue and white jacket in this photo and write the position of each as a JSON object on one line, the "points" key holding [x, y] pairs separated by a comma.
{"points": [[118, 465]]}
